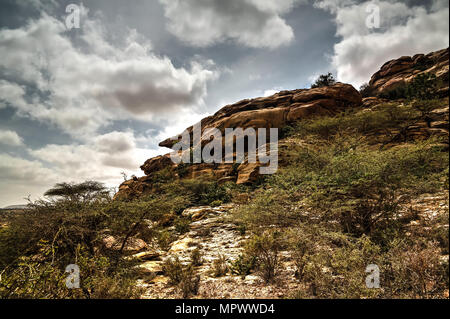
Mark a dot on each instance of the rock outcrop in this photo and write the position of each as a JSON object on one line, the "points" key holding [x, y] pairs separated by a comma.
{"points": [[287, 107], [276, 111], [398, 72]]}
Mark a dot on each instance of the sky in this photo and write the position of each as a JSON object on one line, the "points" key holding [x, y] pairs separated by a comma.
{"points": [[92, 101]]}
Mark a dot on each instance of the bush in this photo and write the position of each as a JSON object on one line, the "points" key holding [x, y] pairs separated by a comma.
{"points": [[184, 277], [220, 267], [379, 119], [196, 257], [422, 87], [190, 282], [340, 272], [39, 243], [365, 90], [414, 271], [182, 225], [173, 269], [243, 265], [196, 191], [165, 238], [40, 276], [265, 249], [324, 80]]}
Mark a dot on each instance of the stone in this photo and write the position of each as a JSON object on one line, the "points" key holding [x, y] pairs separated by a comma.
{"points": [[275, 111], [403, 70]]}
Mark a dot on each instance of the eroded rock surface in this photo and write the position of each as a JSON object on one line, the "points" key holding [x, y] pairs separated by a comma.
{"points": [[215, 235], [403, 70], [276, 111]]}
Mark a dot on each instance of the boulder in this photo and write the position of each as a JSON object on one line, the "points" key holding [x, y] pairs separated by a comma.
{"points": [[398, 72]]}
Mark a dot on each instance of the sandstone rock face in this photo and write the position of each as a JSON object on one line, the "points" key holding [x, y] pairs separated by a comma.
{"points": [[275, 111], [279, 109], [403, 70]]}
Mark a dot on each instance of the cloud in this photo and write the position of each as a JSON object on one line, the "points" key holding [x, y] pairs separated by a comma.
{"points": [[10, 138], [18, 169], [404, 30], [82, 88], [21, 177], [103, 158], [253, 23]]}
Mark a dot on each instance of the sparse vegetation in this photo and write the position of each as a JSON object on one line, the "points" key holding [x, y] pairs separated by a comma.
{"points": [[342, 199], [338, 205], [265, 249], [365, 90], [196, 257], [220, 266]]}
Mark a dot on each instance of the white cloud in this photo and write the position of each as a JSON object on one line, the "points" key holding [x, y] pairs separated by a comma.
{"points": [[404, 30], [21, 177], [11, 138], [80, 89], [101, 159], [253, 23]]}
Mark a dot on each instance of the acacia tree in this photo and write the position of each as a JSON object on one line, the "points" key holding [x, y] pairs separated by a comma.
{"points": [[84, 192]]}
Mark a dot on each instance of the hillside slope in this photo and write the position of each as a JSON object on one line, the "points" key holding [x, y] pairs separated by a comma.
{"points": [[361, 181]]}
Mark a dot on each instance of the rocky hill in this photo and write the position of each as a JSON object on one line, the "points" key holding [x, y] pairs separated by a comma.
{"points": [[287, 107], [362, 186]]}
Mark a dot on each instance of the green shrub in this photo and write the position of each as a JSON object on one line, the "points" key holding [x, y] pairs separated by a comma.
{"points": [[216, 203], [190, 282], [184, 277], [422, 87], [415, 271], [365, 90], [265, 250], [173, 269], [165, 238], [324, 80], [243, 265], [220, 267], [196, 257], [182, 225]]}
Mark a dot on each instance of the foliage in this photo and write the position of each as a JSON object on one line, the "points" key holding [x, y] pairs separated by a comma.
{"points": [[220, 267], [190, 282], [422, 87], [173, 269], [40, 242], [184, 277], [265, 249], [342, 199], [182, 225], [365, 90], [85, 191], [324, 80], [243, 265], [196, 257]]}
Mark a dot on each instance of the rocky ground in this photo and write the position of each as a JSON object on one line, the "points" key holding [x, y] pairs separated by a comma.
{"points": [[215, 236]]}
